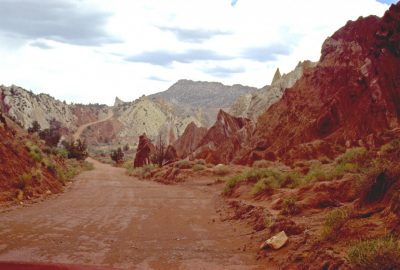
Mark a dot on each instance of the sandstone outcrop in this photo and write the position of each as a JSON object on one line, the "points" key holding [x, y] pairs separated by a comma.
{"points": [[224, 138], [352, 94], [144, 151], [189, 140], [253, 105]]}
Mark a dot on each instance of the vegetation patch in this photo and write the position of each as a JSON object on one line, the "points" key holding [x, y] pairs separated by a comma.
{"points": [[376, 254], [334, 221]]}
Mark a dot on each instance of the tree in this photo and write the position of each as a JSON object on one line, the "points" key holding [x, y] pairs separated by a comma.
{"points": [[52, 134], [126, 148], [35, 127], [76, 149], [117, 155], [158, 156]]}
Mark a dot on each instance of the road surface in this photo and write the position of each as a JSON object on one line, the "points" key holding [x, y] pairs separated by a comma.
{"points": [[109, 219]]}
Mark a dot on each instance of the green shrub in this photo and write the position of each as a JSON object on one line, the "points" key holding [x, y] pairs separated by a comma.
{"points": [[261, 186], [334, 221], [34, 151], [353, 155], [231, 183], [289, 206], [183, 164], [141, 172], [221, 170], [376, 254], [198, 167]]}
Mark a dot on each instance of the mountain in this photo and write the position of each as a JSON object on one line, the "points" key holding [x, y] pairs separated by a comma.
{"points": [[205, 98], [24, 107], [349, 98], [254, 104]]}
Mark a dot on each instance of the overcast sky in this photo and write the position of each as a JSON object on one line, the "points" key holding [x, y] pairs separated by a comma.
{"points": [[93, 50]]}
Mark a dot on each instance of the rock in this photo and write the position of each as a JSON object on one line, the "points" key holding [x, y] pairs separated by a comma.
{"points": [[253, 105], [276, 77], [189, 140], [364, 101], [48, 192], [170, 155], [275, 242], [224, 138], [143, 152]]}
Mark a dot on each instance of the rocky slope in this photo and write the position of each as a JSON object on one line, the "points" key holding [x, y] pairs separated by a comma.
{"points": [[21, 174], [349, 98], [253, 105]]}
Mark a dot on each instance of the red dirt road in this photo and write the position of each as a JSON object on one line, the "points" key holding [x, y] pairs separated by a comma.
{"points": [[112, 220]]}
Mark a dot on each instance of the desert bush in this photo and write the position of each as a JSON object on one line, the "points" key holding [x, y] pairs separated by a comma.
{"points": [[183, 164], [262, 164], [198, 167], [334, 221], [289, 206], [141, 172], [376, 254], [34, 151], [353, 155], [263, 185], [221, 170], [35, 127], [71, 168], [51, 135], [76, 149], [117, 156]]}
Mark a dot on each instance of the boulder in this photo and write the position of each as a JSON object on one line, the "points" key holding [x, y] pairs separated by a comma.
{"points": [[275, 242]]}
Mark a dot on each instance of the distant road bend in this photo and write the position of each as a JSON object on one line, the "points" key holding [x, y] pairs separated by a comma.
{"points": [[80, 129]]}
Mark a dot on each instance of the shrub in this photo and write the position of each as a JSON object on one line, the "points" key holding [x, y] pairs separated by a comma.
{"points": [[221, 170], [141, 172], [261, 186], [289, 206], [117, 156], [262, 164], [376, 254], [52, 135], [183, 164], [34, 151], [76, 149], [334, 221], [35, 127], [353, 155], [198, 167]]}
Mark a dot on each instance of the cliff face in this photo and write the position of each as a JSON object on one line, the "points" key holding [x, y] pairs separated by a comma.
{"points": [[224, 138], [253, 105], [349, 97]]}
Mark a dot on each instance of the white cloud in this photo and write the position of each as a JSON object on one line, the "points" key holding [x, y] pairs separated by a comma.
{"points": [[208, 39]]}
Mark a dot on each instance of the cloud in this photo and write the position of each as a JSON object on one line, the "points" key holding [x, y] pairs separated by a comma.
{"points": [[234, 2], [66, 21], [156, 78], [268, 53], [40, 44], [193, 35], [219, 71], [165, 58]]}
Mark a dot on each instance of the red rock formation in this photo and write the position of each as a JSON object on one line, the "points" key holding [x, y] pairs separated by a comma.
{"points": [[143, 152], [224, 138], [189, 140], [170, 155], [351, 95]]}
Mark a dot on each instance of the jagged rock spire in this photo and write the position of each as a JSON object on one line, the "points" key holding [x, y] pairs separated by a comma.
{"points": [[277, 76]]}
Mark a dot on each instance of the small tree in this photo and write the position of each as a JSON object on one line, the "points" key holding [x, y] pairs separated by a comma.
{"points": [[126, 148], [76, 149], [117, 155], [52, 134], [35, 127], [158, 156]]}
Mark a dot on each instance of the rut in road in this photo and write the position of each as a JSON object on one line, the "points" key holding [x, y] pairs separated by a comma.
{"points": [[109, 219]]}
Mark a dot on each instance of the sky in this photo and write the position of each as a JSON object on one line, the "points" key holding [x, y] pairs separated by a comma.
{"points": [[90, 51]]}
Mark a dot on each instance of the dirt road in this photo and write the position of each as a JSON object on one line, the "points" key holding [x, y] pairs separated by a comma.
{"points": [[81, 128], [109, 219]]}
